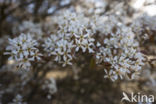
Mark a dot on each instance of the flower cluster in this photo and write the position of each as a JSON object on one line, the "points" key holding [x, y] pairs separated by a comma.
{"points": [[76, 34], [23, 50], [120, 55], [73, 35]]}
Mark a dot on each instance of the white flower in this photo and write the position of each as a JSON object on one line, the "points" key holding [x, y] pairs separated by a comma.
{"points": [[80, 44], [23, 49], [109, 74], [35, 55], [120, 50], [66, 62]]}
